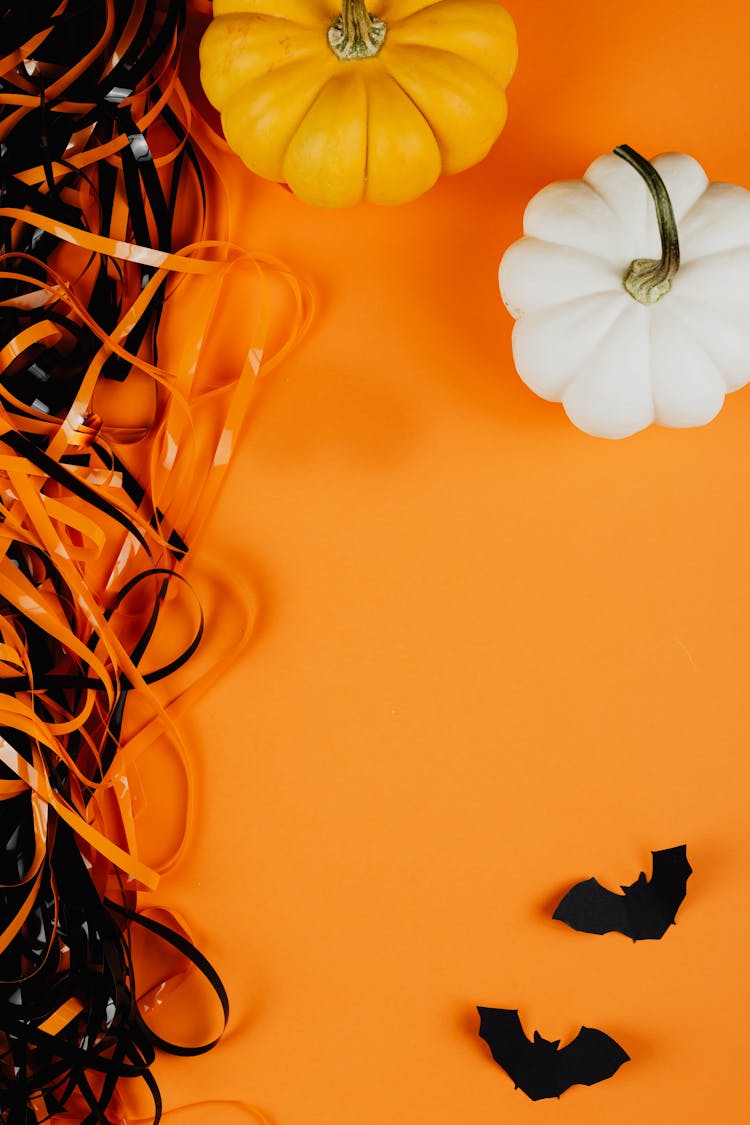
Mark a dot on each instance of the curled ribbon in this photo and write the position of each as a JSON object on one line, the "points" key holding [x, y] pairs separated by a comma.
{"points": [[112, 220]]}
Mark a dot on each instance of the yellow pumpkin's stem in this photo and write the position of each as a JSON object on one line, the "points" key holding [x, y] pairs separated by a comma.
{"points": [[355, 34], [648, 279]]}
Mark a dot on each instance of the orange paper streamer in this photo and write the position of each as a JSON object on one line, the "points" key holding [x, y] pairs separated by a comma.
{"points": [[114, 255]]}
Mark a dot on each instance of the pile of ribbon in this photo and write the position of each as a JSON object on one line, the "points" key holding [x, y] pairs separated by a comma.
{"points": [[112, 218]]}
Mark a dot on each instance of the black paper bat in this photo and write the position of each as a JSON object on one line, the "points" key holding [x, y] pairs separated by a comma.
{"points": [[647, 908], [539, 1068]]}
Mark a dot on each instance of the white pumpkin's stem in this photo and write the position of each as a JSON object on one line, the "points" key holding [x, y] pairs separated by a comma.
{"points": [[648, 279], [355, 34]]}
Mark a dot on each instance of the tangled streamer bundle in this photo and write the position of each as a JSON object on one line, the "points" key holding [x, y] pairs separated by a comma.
{"points": [[111, 221]]}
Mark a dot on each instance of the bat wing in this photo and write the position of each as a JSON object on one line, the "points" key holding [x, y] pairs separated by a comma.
{"points": [[668, 884], [501, 1029], [592, 1057], [592, 909], [533, 1066]]}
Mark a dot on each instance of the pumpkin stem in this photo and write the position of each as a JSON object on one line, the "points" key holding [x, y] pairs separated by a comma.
{"points": [[355, 34], [648, 279]]}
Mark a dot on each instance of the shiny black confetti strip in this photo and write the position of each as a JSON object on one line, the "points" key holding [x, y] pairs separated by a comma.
{"points": [[106, 220]]}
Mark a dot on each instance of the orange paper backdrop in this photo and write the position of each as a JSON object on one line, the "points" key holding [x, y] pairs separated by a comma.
{"points": [[493, 655]]}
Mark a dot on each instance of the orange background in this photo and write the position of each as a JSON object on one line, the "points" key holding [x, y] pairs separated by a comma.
{"points": [[493, 655]]}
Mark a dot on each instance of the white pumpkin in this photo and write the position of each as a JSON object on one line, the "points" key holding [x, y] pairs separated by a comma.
{"points": [[668, 347]]}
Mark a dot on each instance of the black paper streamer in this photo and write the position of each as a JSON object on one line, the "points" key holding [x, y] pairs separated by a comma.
{"points": [[74, 946], [73, 151], [124, 55]]}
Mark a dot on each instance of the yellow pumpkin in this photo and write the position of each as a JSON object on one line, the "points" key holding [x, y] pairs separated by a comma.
{"points": [[345, 104]]}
